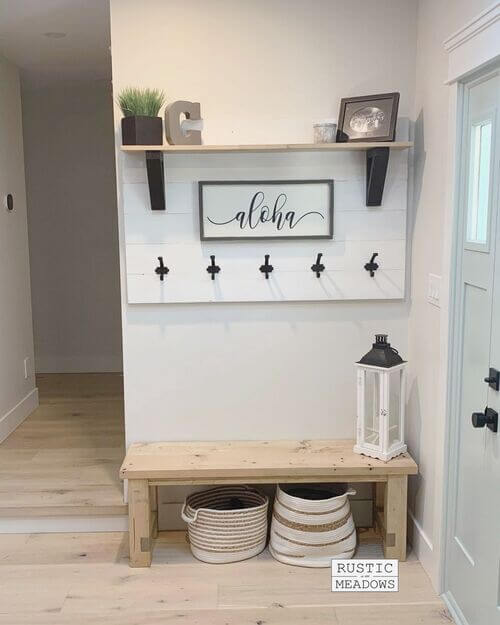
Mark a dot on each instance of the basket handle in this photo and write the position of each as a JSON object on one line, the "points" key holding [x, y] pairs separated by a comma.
{"points": [[187, 518]]}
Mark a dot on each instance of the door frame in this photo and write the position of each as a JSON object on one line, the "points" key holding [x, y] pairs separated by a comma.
{"points": [[473, 50]]}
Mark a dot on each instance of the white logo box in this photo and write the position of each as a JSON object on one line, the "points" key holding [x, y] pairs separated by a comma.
{"points": [[365, 575]]}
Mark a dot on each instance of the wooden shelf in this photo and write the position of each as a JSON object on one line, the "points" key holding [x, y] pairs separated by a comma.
{"points": [[277, 147]]}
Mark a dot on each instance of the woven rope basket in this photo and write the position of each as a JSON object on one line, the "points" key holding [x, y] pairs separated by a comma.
{"points": [[312, 531], [226, 524]]}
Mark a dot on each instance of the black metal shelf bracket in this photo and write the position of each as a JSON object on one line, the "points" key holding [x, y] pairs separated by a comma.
{"points": [[376, 170], [156, 179]]}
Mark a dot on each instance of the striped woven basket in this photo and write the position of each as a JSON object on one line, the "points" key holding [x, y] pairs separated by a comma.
{"points": [[226, 524], [312, 525]]}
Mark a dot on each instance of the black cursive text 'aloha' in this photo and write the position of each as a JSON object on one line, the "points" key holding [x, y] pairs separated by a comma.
{"points": [[260, 213]]}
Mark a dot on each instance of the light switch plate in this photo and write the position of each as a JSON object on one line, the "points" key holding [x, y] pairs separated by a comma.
{"points": [[434, 290]]}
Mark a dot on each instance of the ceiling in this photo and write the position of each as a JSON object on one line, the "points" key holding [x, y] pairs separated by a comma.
{"points": [[83, 54]]}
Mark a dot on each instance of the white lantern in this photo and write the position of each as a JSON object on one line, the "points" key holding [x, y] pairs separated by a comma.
{"points": [[381, 402]]}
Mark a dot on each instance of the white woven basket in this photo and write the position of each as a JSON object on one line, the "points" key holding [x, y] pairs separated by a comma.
{"points": [[218, 531], [307, 532]]}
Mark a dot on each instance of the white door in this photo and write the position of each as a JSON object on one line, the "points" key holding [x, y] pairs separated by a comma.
{"points": [[473, 528]]}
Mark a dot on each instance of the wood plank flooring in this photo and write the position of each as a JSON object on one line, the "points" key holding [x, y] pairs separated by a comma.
{"points": [[65, 458], [84, 579]]}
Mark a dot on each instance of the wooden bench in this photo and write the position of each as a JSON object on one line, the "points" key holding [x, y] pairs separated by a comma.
{"points": [[149, 465]]}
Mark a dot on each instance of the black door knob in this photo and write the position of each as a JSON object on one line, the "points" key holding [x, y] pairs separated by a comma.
{"points": [[478, 419], [489, 418]]}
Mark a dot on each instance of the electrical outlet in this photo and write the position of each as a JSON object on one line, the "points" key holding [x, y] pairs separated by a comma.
{"points": [[26, 368], [434, 290]]}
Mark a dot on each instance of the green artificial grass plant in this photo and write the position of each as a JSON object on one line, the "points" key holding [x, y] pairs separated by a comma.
{"points": [[134, 101]]}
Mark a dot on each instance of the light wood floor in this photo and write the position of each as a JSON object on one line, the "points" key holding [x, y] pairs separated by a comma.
{"points": [[64, 459], [84, 579]]}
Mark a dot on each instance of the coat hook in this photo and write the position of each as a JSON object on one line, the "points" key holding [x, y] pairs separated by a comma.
{"points": [[372, 266], [213, 268], [266, 267], [161, 270], [318, 266]]}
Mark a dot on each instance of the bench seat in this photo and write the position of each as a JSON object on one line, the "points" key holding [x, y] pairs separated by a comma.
{"points": [[149, 465]]}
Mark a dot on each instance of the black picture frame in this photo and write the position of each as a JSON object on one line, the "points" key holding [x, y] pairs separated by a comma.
{"points": [[204, 183], [345, 134]]}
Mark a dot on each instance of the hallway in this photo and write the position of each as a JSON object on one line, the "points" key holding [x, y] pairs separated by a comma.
{"points": [[64, 459]]}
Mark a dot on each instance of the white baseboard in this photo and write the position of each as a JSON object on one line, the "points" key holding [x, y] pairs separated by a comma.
{"points": [[12, 419], [423, 547], [419, 535], [61, 524], [454, 610], [79, 364]]}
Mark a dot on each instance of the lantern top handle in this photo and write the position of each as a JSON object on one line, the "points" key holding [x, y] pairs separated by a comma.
{"points": [[382, 354]]}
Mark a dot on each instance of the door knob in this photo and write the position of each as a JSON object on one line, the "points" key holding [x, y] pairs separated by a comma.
{"points": [[489, 418]]}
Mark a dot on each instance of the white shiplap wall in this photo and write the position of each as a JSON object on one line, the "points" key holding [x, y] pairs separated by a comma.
{"points": [[174, 234]]}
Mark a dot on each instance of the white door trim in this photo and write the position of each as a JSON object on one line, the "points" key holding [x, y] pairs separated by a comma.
{"points": [[474, 45], [472, 48]]}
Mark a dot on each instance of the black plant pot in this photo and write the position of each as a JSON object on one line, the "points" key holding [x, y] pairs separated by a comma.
{"points": [[142, 130]]}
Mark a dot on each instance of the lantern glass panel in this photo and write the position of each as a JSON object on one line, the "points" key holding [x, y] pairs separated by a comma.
{"points": [[394, 407], [371, 434]]}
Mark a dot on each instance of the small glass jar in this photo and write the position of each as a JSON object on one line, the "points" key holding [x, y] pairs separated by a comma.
{"points": [[325, 131]]}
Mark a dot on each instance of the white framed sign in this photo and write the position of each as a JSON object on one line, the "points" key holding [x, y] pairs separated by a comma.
{"points": [[265, 209]]}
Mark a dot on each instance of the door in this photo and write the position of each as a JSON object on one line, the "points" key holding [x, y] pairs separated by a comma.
{"points": [[473, 527]]}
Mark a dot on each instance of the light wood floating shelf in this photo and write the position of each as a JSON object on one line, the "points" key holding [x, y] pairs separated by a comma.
{"points": [[277, 147]]}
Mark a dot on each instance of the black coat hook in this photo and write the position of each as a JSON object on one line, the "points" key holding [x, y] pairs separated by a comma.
{"points": [[266, 267], [372, 266], [318, 266], [213, 268], [161, 270]]}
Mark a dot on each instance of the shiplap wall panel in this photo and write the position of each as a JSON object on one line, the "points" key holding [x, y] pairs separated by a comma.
{"points": [[288, 286], [174, 234], [238, 259], [360, 225], [182, 197]]}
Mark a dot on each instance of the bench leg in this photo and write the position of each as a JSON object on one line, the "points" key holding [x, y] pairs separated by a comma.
{"points": [[395, 503], [139, 523]]}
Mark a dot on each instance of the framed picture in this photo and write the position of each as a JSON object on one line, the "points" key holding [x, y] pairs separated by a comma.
{"points": [[266, 209], [368, 118]]}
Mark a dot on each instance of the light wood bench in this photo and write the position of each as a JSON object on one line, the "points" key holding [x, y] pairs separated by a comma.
{"points": [[149, 465]]}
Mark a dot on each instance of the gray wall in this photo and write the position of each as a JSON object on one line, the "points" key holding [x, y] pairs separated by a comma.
{"points": [[71, 189], [18, 395]]}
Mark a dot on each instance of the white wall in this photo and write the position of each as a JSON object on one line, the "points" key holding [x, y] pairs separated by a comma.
{"points": [[437, 19], [18, 395], [264, 71], [73, 232]]}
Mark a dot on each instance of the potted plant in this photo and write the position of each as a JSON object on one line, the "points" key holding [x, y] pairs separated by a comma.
{"points": [[140, 123]]}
